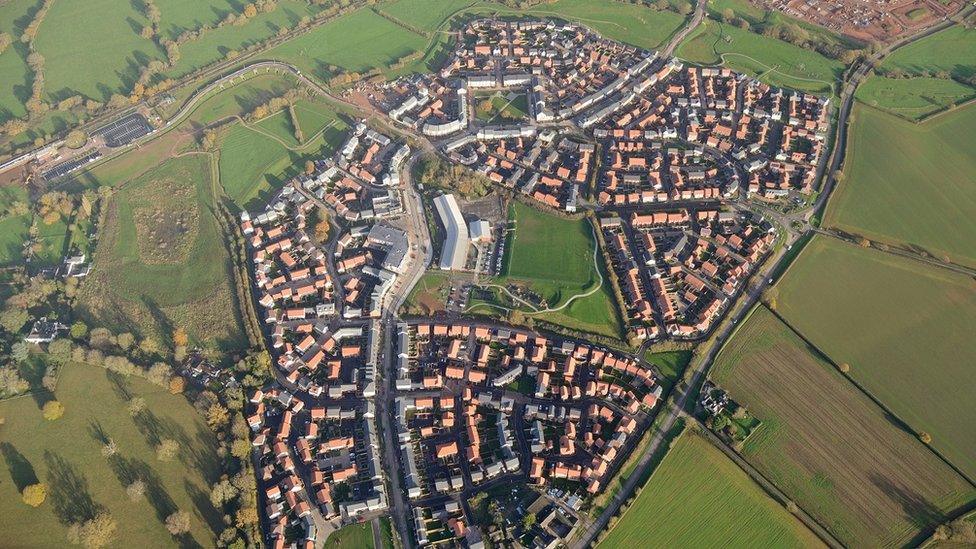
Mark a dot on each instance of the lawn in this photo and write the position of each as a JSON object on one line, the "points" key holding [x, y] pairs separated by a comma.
{"points": [[356, 42], [14, 72], [905, 328], [426, 15], [913, 98], [829, 447], [359, 536], [698, 497], [66, 455], [952, 50], [915, 186], [13, 228], [553, 257], [430, 294], [161, 260], [671, 364], [498, 107], [774, 61]]}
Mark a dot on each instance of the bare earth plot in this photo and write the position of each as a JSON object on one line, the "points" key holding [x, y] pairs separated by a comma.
{"points": [[914, 186], [829, 446], [905, 328], [698, 497]]}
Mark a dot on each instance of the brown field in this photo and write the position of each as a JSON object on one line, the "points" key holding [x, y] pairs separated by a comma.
{"points": [[830, 447]]}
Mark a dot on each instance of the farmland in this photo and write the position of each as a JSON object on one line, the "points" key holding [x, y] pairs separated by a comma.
{"points": [[828, 446], [952, 50], [185, 282], [913, 98], [915, 186], [553, 257], [917, 357], [66, 455], [697, 497]]}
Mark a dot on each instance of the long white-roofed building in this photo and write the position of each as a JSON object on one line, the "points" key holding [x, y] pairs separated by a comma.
{"points": [[454, 254]]}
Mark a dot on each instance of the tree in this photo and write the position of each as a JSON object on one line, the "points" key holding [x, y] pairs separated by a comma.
{"points": [[176, 385], [528, 521], [125, 341], [844, 367], [250, 11], [11, 383], [167, 449], [13, 319], [136, 491], [217, 416], [178, 523], [309, 167], [180, 339], [5, 41], [136, 406], [110, 448], [863, 242], [240, 449], [222, 492], [246, 516], [728, 15], [78, 330], [53, 410], [34, 494], [94, 533], [322, 229], [159, 374], [925, 437], [59, 351], [720, 422], [19, 351]]}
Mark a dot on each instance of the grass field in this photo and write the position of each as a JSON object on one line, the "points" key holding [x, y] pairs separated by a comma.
{"points": [[16, 75], [496, 107], [426, 15], [952, 50], [430, 294], [13, 228], [904, 327], [356, 42], [912, 98], [698, 497], [66, 455], [359, 536], [671, 364], [915, 186], [187, 282], [630, 23], [829, 447], [774, 61]]}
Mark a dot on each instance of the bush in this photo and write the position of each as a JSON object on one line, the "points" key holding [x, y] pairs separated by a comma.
{"points": [[53, 410], [34, 494]]}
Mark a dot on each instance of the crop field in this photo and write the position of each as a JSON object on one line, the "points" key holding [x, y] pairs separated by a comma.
{"points": [[915, 186], [66, 455], [185, 281], [828, 446], [553, 257], [356, 42], [918, 353], [698, 497], [776, 62], [913, 98]]}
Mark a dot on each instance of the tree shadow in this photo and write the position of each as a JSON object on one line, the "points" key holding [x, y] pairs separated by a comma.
{"points": [[98, 432], [69, 491], [917, 510], [21, 470], [206, 509], [120, 385], [129, 470]]}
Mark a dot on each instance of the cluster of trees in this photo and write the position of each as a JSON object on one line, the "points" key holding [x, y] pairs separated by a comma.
{"points": [[899, 74], [434, 172], [962, 531], [275, 104], [53, 206]]}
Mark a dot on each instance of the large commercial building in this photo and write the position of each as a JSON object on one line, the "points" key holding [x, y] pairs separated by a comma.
{"points": [[454, 254]]}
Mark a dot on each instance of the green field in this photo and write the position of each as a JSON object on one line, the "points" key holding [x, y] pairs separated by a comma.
{"points": [[774, 61], [66, 455], [914, 186], [426, 15], [913, 98], [359, 536], [13, 228], [16, 75], [152, 273], [498, 108], [829, 447], [952, 50], [905, 329], [671, 364], [698, 497], [630, 23], [355, 42]]}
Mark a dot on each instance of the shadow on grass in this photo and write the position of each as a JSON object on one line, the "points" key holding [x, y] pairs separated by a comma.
{"points": [[129, 470], [69, 491], [21, 470], [201, 500]]}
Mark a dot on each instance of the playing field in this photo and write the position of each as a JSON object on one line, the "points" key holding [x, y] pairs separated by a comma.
{"points": [[776, 62], [914, 186], [161, 260], [905, 328], [829, 447], [66, 455], [913, 98], [553, 257], [698, 497]]}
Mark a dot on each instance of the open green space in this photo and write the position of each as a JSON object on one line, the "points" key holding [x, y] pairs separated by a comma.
{"points": [[631, 23], [15, 15], [671, 364], [66, 455], [698, 497], [829, 447], [552, 257], [426, 15], [355, 42], [914, 186], [772, 60], [14, 228], [359, 536], [430, 293], [161, 261], [905, 329], [500, 107], [952, 50], [913, 98]]}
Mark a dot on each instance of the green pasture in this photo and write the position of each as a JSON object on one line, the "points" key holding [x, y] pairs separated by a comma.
{"points": [[904, 327], [913, 98], [911, 184], [698, 497], [829, 447], [65, 454]]}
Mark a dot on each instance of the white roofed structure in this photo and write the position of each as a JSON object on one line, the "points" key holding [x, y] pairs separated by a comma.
{"points": [[454, 254]]}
